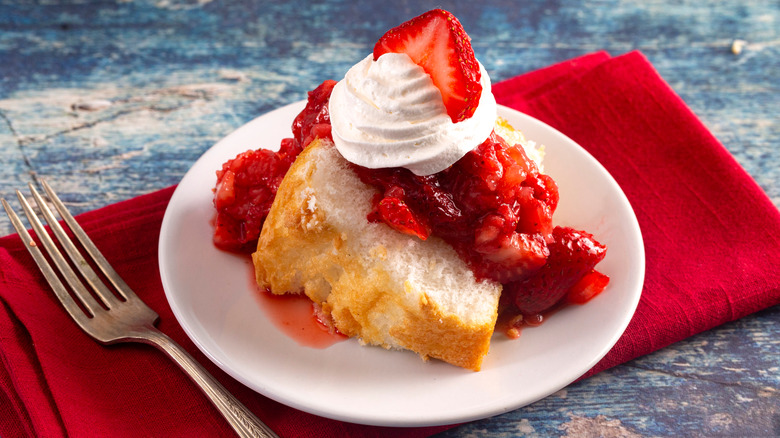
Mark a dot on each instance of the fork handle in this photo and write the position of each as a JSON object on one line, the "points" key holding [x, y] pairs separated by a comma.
{"points": [[243, 421]]}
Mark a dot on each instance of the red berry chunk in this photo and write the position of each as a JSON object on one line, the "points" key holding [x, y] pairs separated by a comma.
{"points": [[573, 254], [395, 212], [314, 120], [437, 42], [590, 285], [246, 187]]}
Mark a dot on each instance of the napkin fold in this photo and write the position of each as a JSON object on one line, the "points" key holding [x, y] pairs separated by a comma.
{"points": [[710, 233]]}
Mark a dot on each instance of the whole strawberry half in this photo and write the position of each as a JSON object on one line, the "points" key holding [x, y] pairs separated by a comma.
{"points": [[437, 42], [573, 254]]}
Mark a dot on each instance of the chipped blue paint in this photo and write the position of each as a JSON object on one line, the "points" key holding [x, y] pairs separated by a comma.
{"points": [[111, 100]]}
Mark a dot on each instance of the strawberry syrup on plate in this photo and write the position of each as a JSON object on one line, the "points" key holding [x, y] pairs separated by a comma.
{"points": [[295, 316]]}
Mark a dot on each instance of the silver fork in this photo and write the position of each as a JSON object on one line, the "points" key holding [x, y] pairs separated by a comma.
{"points": [[111, 319]]}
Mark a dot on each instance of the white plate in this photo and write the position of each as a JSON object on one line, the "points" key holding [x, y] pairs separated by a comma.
{"points": [[211, 295]]}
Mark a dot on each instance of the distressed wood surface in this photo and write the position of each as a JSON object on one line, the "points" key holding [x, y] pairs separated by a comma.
{"points": [[109, 100]]}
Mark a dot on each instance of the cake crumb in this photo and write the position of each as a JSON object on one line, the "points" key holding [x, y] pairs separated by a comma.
{"points": [[310, 201], [310, 219]]}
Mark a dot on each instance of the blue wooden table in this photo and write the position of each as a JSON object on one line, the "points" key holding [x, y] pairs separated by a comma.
{"points": [[109, 100]]}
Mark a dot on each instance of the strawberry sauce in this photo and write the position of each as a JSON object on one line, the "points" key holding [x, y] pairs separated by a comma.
{"points": [[294, 315]]}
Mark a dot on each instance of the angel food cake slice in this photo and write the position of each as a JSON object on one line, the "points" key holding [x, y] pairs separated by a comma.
{"points": [[413, 214], [383, 287]]}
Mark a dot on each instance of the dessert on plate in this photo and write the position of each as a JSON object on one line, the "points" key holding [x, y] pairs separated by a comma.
{"points": [[405, 209]]}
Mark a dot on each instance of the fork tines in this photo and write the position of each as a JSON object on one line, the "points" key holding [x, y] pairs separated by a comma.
{"points": [[108, 298]]}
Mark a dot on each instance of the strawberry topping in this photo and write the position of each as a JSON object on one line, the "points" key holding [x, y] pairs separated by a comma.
{"points": [[437, 42], [573, 254], [246, 188], [314, 120], [493, 206], [247, 184]]}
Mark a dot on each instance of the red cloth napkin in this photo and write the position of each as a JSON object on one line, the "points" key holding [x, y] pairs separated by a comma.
{"points": [[711, 235], [710, 238]]}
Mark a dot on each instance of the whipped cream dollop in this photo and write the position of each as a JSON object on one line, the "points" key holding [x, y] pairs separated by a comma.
{"points": [[388, 113]]}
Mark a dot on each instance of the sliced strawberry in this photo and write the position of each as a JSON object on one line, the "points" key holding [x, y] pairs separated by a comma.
{"points": [[437, 42], [506, 255], [572, 255], [395, 213], [590, 285], [225, 194]]}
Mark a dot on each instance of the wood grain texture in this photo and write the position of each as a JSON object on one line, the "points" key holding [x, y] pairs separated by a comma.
{"points": [[109, 100]]}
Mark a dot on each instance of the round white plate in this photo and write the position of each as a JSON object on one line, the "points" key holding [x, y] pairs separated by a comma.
{"points": [[212, 296]]}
